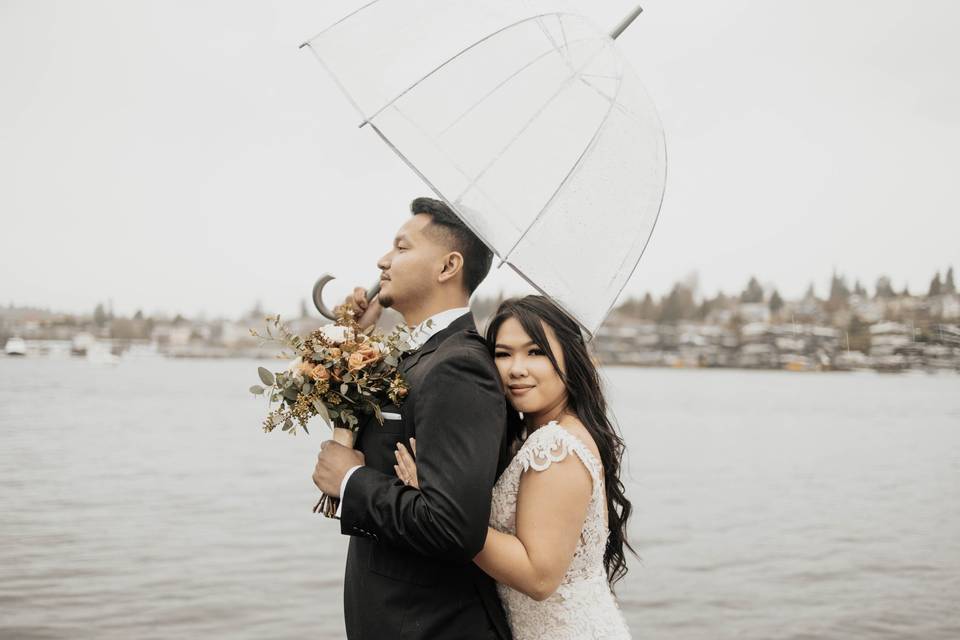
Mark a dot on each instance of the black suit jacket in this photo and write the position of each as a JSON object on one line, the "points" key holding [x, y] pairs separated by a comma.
{"points": [[409, 567]]}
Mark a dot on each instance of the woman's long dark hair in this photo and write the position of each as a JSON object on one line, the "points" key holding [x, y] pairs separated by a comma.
{"points": [[584, 398]]}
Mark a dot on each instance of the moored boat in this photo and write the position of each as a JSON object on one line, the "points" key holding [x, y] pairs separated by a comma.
{"points": [[15, 347]]}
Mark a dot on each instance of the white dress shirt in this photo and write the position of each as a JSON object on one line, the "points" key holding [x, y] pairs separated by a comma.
{"points": [[419, 335]]}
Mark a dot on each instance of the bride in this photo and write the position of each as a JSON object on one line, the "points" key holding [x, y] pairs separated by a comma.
{"points": [[558, 519]]}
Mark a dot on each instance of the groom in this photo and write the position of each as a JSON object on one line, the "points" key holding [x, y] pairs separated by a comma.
{"points": [[409, 567]]}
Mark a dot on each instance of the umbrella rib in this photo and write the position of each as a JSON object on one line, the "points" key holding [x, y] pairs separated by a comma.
{"points": [[501, 85], [451, 59], [426, 180], [563, 33], [550, 38], [618, 106], [440, 150], [346, 17], [573, 168], [646, 240], [336, 80], [564, 49], [526, 125], [541, 290]]}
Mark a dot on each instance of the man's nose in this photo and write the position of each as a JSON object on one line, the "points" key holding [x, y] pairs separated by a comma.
{"points": [[384, 262]]}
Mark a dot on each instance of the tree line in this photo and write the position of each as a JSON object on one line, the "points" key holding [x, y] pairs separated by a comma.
{"points": [[683, 304]]}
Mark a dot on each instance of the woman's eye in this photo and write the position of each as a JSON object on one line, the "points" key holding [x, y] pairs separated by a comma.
{"points": [[536, 352], [500, 354]]}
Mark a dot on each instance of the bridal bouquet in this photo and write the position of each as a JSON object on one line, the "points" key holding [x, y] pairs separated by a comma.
{"points": [[341, 373]]}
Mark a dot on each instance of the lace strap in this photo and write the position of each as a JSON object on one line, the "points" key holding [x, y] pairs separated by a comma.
{"points": [[552, 443]]}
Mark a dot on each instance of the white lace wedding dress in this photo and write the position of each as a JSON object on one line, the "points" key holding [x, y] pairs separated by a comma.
{"points": [[583, 606]]}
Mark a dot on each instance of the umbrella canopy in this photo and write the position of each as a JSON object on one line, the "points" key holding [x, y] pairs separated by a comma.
{"points": [[526, 120]]}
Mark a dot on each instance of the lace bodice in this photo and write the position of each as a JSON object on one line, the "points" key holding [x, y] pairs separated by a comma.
{"points": [[582, 606]]}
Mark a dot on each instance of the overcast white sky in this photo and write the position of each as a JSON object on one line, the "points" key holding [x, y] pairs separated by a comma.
{"points": [[186, 157]]}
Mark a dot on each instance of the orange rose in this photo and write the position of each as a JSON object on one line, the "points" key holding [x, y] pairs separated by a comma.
{"points": [[319, 372], [305, 368], [335, 353], [356, 361], [370, 353]]}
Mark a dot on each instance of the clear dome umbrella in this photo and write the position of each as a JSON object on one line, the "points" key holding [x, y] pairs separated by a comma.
{"points": [[526, 120]]}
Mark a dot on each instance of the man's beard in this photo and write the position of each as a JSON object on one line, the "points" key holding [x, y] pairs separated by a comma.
{"points": [[385, 299]]}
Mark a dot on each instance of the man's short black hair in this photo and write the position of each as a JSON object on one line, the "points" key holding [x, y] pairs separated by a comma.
{"points": [[477, 258]]}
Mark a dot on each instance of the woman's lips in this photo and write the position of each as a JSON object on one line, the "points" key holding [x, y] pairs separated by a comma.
{"points": [[519, 391]]}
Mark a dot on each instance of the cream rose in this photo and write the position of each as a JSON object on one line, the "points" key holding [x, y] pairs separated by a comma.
{"points": [[335, 333], [356, 361]]}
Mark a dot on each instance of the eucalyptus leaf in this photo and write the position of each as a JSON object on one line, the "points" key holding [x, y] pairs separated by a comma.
{"points": [[257, 390], [306, 388], [322, 411], [266, 376], [287, 424], [344, 388]]}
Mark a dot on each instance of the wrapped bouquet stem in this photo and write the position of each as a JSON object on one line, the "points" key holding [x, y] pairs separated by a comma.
{"points": [[327, 505], [340, 373]]}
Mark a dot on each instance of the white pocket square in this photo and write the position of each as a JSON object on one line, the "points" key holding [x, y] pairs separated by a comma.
{"points": [[390, 416]]}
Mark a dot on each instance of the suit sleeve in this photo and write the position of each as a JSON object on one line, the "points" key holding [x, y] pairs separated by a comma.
{"points": [[460, 424]]}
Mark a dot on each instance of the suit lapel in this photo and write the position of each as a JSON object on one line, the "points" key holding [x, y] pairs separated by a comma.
{"points": [[460, 324]]}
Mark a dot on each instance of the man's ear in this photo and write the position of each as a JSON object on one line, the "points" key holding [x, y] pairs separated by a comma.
{"points": [[452, 265]]}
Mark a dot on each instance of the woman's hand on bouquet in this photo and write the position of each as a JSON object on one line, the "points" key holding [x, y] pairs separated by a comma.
{"points": [[406, 467]]}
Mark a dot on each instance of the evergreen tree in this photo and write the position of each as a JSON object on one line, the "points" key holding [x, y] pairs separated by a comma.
{"points": [[753, 293], [948, 285], [99, 316], [648, 308], [138, 315], [935, 286], [884, 289], [839, 293], [811, 293], [776, 302], [859, 290], [679, 305]]}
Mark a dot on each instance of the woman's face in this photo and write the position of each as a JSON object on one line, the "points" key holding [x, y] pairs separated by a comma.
{"points": [[529, 379]]}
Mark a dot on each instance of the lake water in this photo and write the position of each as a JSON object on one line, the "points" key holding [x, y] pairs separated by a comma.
{"points": [[143, 500]]}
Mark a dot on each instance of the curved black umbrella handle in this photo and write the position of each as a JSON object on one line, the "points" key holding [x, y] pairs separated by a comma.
{"points": [[318, 294]]}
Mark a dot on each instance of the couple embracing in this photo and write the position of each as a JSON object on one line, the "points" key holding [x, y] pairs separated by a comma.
{"points": [[490, 505]]}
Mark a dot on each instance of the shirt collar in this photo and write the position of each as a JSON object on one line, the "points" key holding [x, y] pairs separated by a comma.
{"points": [[438, 322]]}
